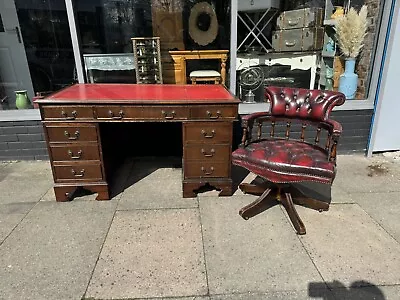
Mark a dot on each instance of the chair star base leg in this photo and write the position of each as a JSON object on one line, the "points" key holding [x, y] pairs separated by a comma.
{"points": [[283, 194], [288, 204], [255, 207]]}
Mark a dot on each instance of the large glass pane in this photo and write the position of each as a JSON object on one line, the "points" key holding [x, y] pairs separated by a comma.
{"points": [[294, 44], [107, 26], [48, 46]]}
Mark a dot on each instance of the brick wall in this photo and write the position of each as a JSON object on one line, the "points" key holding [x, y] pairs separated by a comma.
{"points": [[364, 60], [354, 139], [22, 140]]}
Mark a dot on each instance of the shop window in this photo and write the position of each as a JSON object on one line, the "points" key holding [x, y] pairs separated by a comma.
{"points": [[107, 26], [47, 40], [300, 35]]}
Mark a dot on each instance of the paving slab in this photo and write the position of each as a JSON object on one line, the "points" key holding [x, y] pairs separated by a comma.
{"points": [[25, 181], [262, 254], [383, 208], [151, 253], [51, 254], [347, 246], [357, 174], [340, 195], [323, 294], [160, 188]]}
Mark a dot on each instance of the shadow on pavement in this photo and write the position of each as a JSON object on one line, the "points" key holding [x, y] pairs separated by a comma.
{"points": [[358, 290]]}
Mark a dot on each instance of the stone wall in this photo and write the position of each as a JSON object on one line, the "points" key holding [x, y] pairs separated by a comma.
{"points": [[365, 58]]}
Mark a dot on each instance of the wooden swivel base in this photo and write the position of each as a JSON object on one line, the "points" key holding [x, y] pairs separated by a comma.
{"points": [[280, 193]]}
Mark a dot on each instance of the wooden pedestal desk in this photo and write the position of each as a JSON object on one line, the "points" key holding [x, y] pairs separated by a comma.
{"points": [[71, 119]]}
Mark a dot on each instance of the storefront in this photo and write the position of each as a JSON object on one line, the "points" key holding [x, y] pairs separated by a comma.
{"points": [[49, 44]]}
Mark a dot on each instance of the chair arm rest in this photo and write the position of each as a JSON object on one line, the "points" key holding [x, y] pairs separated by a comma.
{"points": [[335, 127], [248, 120], [335, 130], [247, 126]]}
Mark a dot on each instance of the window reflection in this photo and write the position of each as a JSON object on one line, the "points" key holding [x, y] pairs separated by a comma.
{"points": [[107, 26], [47, 40]]}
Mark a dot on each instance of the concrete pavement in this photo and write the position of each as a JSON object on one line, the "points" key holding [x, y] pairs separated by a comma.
{"points": [[150, 243]]}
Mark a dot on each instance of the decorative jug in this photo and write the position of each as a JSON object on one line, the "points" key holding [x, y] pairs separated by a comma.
{"points": [[21, 99]]}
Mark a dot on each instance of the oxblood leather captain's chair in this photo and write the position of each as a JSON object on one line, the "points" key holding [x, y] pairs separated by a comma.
{"points": [[283, 160]]}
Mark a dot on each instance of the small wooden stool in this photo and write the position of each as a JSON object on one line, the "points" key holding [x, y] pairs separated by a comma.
{"points": [[205, 75]]}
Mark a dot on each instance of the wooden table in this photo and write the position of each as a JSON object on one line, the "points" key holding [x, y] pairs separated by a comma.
{"points": [[180, 57], [71, 119]]}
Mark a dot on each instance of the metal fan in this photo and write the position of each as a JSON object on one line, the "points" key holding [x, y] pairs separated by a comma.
{"points": [[250, 79]]}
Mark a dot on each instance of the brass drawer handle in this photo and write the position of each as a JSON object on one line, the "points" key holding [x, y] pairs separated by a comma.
{"points": [[118, 117], [78, 156], [206, 135], [65, 115], [290, 44], [211, 154], [168, 116], [210, 115], [68, 135], [205, 171], [80, 174]]}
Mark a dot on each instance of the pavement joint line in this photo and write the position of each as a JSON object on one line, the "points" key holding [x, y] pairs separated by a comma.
{"points": [[373, 192], [379, 224], [304, 247], [98, 256], [262, 293], [155, 209], [44, 194], [204, 248], [151, 298], [2, 242]]}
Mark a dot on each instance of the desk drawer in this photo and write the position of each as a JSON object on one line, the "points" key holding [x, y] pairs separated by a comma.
{"points": [[203, 169], [207, 152], [116, 112], [67, 113], [78, 152], [214, 112], [170, 113], [88, 171], [207, 132], [78, 133]]}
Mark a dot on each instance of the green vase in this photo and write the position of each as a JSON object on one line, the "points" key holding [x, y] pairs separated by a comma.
{"points": [[21, 99]]}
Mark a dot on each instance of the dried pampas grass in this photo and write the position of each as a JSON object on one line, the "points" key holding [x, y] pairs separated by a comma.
{"points": [[351, 30]]}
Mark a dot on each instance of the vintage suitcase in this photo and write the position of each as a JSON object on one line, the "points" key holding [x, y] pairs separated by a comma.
{"points": [[302, 39], [306, 17]]}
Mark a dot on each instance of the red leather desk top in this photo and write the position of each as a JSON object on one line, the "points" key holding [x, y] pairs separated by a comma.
{"points": [[142, 93]]}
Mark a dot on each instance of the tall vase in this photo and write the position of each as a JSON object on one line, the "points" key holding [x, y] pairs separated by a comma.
{"points": [[21, 99], [348, 80]]}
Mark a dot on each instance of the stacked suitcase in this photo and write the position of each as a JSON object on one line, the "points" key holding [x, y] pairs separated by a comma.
{"points": [[299, 30]]}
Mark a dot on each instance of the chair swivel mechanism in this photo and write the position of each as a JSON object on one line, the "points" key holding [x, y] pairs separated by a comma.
{"points": [[283, 151]]}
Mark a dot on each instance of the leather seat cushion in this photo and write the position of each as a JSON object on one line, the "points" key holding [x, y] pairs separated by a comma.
{"points": [[280, 160]]}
